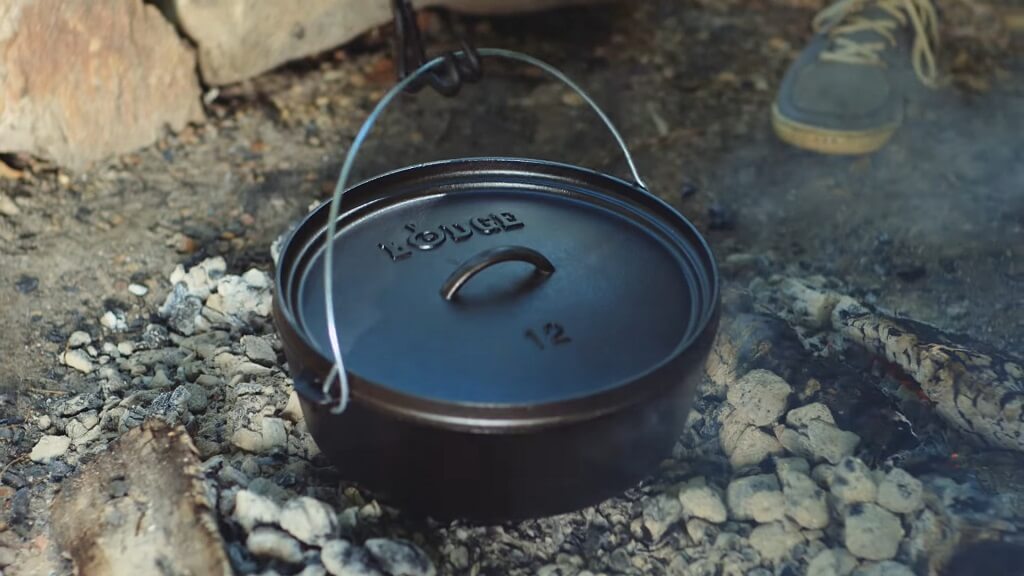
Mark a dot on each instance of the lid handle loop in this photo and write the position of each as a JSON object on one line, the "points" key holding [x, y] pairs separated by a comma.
{"points": [[338, 371], [488, 258]]}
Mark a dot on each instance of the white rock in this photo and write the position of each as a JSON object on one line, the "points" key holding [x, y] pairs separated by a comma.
{"points": [[259, 350], [343, 559], [115, 322], [900, 492], [792, 464], [49, 447], [887, 568], [79, 360], [853, 481], [745, 444], [7, 206], [759, 397], [872, 532], [773, 541], [818, 441], [138, 290], [660, 514], [400, 557], [293, 409], [309, 520], [756, 497], [699, 531], [43, 422], [806, 503], [823, 474], [126, 348], [275, 544], [703, 502], [252, 510], [243, 296], [313, 570], [78, 339], [804, 415], [201, 279], [272, 435], [833, 562]]}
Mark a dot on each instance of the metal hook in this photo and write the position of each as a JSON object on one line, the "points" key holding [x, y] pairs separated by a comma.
{"points": [[447, 78]]}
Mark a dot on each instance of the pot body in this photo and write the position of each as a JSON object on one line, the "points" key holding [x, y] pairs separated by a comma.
{"points": [[456, 473], [488, 463]]}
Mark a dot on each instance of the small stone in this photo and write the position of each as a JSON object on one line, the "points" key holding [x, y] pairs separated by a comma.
{"points": [[44, 422], [7, 206], [819, 441], [805, 501], [703, 502], [343, 559], [886, 568], [753, 447], [823, 474], [400, 557], [48, 448], [114, 321], [26, 284], [138, 290], [251, 510], [756, 497], [275, 544], [833, 562], [872, 532], [79, 403], [272, 436], [660, 514], [78, 360], [313, 570], [900, 492], [801, 417], [309, 520], [700, 531], [181, 310], [759, 397], [773, 541], [201, 279], [259, 350], [243, 296], [293, 409], [126, 348], [786, 465], [853, 482], [79, 339]]}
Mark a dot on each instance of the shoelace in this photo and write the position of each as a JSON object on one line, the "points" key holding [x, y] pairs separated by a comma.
{"points": [[845, 17]]}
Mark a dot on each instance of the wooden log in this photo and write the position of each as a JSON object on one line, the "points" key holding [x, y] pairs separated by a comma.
{"points": [[140, 508], [974, 387]]}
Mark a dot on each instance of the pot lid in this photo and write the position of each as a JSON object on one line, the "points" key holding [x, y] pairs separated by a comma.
{"points": [[505, 283]]}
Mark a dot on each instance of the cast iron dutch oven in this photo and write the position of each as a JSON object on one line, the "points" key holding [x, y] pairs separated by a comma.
{"points": [[520, 337]]}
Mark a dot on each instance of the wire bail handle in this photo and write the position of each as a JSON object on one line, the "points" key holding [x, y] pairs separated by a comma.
{"points": [[338, 368]]}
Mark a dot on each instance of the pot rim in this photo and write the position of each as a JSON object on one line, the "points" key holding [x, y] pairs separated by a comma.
{"points": [[482, 417]]}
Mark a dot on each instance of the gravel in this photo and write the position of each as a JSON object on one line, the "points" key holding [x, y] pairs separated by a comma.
{"points": [[774, 541], [49, 447], [274, 544], [756, 498], [400, 558], [701, 501], [759, 397], [660, 514], [805, 502], [871, 532], [853, 482], [252, 510], [79, 360], [341, 558], [832, 562], [887, 568], [309, 520], [900, 492]]}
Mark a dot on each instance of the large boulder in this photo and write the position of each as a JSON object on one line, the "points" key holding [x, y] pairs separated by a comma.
{"points": [[83, 80], [239, 39]]}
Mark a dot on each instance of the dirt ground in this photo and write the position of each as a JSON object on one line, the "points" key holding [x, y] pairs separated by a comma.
{"points": [[932, 226]]}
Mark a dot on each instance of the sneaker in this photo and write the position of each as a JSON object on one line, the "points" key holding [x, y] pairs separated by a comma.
{"points": [[841, 95]]}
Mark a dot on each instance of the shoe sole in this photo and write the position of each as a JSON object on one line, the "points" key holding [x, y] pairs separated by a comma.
{"points": [[825, 141]]}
